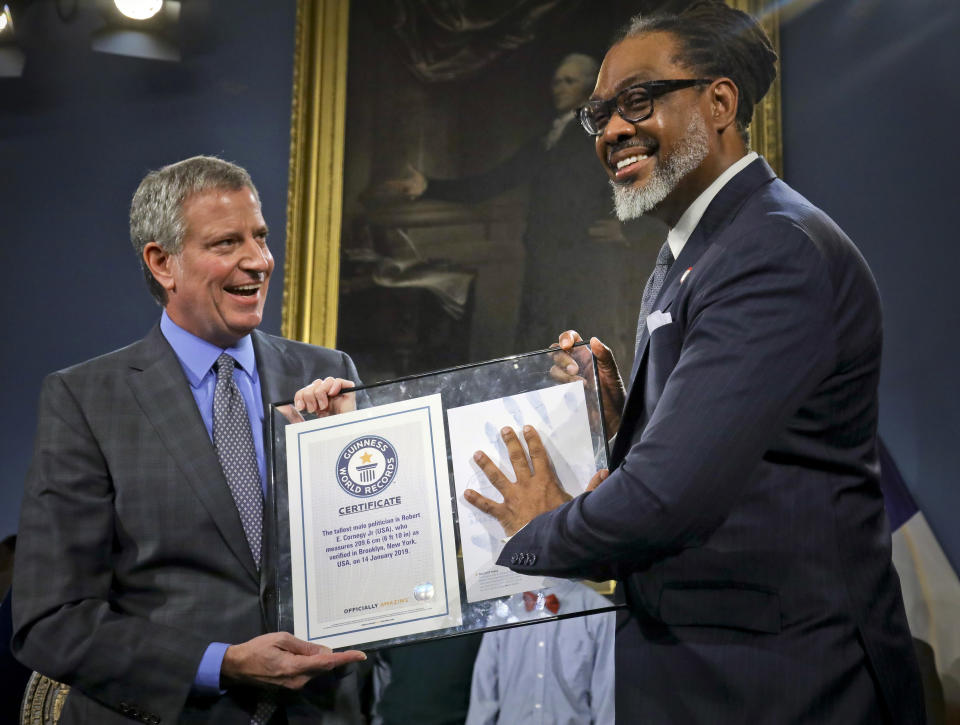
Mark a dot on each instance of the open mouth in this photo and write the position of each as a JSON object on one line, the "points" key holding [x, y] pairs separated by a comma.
{"points": [[244, 290], [623, 163], [629, 158], [628, 163]]}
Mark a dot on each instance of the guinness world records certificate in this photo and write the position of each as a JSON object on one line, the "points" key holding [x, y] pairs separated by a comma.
{"points": [[371, 527]]}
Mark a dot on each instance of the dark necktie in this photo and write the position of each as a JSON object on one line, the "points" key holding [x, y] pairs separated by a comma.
{"points": [[652, 290], [238, 459]]}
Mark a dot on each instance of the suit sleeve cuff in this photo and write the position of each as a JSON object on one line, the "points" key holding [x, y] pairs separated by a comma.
{"points": [[207, 679], [506, 539]]}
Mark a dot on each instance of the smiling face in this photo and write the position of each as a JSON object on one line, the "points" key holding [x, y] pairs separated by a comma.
{"points": [[657, 165], [217, 284]]}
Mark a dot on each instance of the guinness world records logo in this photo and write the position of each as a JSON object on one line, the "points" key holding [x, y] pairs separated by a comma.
{"points": [[366, 466]]}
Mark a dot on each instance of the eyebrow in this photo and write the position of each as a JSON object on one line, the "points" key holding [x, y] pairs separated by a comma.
{"points": [[631, 80], [235, 234]]}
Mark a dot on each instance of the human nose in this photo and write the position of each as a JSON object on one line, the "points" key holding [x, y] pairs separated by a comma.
{"points": [[617, 128], [256, 255]]}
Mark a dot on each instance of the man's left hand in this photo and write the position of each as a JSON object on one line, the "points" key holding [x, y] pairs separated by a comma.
{"points": [[534, 493], [279, 659], [326, 396]]}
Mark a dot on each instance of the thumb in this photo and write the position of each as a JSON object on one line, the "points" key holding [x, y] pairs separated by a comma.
{"points": [[603, 354]]}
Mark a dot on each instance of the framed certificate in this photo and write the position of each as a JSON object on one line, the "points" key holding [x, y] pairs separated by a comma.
{"points": [[372, 543], [373, 556]]}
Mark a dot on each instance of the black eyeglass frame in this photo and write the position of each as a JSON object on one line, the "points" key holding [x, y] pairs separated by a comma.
{"points": [[654, 89]]}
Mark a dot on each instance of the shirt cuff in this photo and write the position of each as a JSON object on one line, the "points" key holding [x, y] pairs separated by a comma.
{"points": [[505, 539], [207, 679]]}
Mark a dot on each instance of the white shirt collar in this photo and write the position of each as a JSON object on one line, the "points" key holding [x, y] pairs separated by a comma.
{"points": [[560, 124], [677, 237]]}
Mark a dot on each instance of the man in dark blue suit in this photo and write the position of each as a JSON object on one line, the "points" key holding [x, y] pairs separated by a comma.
{"points": [[742, 510]]}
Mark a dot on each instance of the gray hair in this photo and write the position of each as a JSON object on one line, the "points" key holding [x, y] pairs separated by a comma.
{"points": [[588, 65], [156, 212]]}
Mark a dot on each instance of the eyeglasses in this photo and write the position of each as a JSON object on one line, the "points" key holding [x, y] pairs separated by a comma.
{"points": [[634, 104]]}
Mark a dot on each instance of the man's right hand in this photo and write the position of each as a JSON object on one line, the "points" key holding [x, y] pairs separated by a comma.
{"points": [[566, 368], [279, 659], [411, 186]]}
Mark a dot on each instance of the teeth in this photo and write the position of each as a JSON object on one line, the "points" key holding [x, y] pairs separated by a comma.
{"points": [[243, 289], [630, 160]]}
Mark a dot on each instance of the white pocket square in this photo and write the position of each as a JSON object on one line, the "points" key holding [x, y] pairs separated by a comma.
{"points": [[657, 319]]}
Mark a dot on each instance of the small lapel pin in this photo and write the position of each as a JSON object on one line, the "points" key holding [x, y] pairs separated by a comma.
{"points": [[685, 273]]}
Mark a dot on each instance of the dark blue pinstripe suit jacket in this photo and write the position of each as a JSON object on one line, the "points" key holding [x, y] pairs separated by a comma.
{"points": [[743, 511]]}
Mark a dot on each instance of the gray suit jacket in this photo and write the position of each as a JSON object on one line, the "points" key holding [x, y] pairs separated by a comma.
{"points": [[743, 509], [131, 556]]}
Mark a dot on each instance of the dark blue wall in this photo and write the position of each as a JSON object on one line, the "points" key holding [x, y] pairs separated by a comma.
{"points": [[871, 106], [77, 133]]}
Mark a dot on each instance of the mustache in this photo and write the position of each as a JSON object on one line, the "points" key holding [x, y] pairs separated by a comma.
{"points": [[642, 142]]}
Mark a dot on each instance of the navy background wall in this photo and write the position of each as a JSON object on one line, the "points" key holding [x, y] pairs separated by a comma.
{"points": [[77, 133], [870, 100], [870, 112]]}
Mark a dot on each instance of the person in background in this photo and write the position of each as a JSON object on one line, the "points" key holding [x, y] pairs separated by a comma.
{"points": [[570, 230], [552, 673]]}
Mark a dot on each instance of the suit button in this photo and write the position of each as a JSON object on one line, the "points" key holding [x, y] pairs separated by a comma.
{"points": [[514, 559], [533, 559]]}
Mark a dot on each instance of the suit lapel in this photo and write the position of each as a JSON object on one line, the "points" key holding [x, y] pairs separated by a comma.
{"points": [[282, 369], [281, 372], [719, 214], [161, 389]]}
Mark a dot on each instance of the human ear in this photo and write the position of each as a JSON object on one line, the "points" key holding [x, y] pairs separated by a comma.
{"points": [[160, 264], [723, 103]]}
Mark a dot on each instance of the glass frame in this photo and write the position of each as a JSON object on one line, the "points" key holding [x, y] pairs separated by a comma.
{"points": [[459, 384]]}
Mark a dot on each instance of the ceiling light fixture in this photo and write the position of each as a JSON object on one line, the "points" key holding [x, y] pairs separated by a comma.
{"points": [[11, 57], [139, 9], [139, 28]]}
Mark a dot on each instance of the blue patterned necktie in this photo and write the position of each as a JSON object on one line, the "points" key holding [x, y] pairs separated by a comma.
{"points": [[238, 458], [233, 440], [652, 290]]}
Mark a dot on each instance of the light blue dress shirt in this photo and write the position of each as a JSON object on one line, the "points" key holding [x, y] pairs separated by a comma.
{"points": [[554, 673], [197, 357]]}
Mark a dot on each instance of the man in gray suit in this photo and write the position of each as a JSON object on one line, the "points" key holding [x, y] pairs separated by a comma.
{"points": [[138, 579]]}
